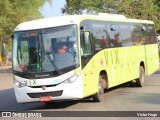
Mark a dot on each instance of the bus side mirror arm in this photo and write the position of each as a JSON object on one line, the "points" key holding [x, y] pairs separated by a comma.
{"points": [[6, 38]]}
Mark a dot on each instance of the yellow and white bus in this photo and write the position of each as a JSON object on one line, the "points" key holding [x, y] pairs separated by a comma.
{"points": [[73, 57]]}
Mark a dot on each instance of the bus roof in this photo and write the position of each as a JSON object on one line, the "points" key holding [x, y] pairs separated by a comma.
{"points": [[72, 19]]}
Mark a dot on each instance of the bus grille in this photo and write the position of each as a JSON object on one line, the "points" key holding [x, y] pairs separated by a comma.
{"points": [[38, 95]]}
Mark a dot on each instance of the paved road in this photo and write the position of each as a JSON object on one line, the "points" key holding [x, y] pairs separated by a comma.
{"points": [[121, 98]]}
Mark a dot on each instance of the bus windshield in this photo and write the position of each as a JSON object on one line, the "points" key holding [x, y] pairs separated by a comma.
{"points": [[45, 50]]}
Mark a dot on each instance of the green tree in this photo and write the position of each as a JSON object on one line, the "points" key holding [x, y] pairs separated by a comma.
{"points": [[139, 9], [13, 12], [157, 2]]}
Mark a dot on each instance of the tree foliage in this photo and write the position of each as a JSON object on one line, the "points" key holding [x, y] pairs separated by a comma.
{"points": [[13, 12], [139, 9]]}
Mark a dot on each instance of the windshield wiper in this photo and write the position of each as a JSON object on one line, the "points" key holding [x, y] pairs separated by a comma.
{"points": [[52, 62]]}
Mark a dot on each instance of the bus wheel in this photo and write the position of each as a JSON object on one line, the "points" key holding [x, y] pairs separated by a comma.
{"points": [[98, 97], [140, 80]]}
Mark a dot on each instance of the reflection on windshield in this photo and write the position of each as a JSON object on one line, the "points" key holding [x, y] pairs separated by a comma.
{"points": [[45, 50], [26, 51], [61, 44]]}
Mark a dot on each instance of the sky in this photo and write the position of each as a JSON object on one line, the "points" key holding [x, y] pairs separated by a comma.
{"points": [[54, 9]]}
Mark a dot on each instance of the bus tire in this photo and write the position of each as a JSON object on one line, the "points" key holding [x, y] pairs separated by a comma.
{"points": [[140, 80], [99, 96]]}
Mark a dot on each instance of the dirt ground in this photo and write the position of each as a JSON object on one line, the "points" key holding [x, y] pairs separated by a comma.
{"points": [[5, 69]]}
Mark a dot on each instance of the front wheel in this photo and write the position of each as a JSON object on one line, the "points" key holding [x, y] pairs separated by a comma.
{"points": [[140, 80], [98, 97]]}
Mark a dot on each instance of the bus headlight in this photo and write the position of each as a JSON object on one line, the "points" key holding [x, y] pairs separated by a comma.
{"points": [[18, 84], [73, 78]]}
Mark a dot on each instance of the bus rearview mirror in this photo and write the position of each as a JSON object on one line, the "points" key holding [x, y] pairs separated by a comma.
{"points": [[3, 49], [4, 53], [86, 38]]}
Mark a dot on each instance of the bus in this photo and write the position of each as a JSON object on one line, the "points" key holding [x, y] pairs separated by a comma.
{"points": [[77, 56]]}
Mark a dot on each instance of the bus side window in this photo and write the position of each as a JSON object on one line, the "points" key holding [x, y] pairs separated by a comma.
{"points": [[115, 36], [145, 35], [100, 35], [152, 34], [125, 35], [136, 34]]}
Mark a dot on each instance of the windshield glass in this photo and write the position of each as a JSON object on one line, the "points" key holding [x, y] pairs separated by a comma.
{"points": [[45, 50], [26, 47], [60, 46]]}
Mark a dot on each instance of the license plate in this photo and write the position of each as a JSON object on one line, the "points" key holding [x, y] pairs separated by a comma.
{"points": [[45, 98]]}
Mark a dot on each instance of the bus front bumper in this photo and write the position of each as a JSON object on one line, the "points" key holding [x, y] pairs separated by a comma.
{"points": [[63, 91]]}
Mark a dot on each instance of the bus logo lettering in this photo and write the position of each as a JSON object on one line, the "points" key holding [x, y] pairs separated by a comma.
{"points": [[34, 81], [116, 53], [106, 56]]}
